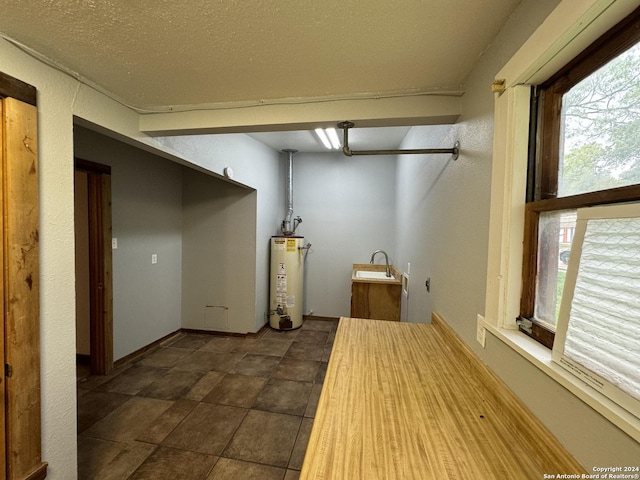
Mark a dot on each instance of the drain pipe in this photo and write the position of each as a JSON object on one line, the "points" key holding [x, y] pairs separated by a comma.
{"points": [[286, 223]]}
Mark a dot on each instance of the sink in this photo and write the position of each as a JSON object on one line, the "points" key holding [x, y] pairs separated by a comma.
{"points": [[372, 275]]}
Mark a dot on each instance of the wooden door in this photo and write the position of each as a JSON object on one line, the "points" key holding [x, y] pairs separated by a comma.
{"points": [[100, 265], [3, 406], [20, 292]]}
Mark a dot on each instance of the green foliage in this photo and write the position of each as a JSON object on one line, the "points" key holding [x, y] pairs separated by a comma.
{"points": [[602, 128]]}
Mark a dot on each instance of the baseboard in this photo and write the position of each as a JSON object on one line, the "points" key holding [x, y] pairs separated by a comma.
{"points": [[215, 333], [140, 351], [39, 473], [263, 329], [317, 317], [83, 359], [515, 414], [260, 332], [226, 334], [171, 336]]}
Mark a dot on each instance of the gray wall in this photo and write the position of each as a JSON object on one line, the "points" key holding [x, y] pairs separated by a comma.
{"points": [[218, 254], [258, 166], [435, 216], [347, 205], [443, 219], [205, 232], [146, 220]]}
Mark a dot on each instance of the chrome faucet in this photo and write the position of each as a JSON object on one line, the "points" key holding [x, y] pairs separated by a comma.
{"points": [[386, 259]]}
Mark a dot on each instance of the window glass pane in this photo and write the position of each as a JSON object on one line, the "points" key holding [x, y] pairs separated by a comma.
{"points": [[555, 233], [600, 138]]}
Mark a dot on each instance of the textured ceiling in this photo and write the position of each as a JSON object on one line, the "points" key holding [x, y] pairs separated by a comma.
{"points": [[167, 53]]}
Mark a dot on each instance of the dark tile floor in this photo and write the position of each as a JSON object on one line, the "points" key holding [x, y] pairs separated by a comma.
{"points": [[206, 407]]}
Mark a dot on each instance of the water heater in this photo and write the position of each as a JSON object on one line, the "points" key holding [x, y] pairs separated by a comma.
{"points": [[286, 282]]}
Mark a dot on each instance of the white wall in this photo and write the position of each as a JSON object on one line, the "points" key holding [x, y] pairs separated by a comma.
{"points": [[146, 195], [57, 276], [218, 252], [347, 205]]}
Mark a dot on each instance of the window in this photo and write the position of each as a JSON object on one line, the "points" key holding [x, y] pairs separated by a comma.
{"points": [[586, 137]]}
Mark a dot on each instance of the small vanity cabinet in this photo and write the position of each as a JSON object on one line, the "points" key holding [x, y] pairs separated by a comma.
{"points": [[375, 298]]}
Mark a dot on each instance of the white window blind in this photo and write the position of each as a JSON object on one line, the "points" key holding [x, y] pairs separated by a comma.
{"points": [[598, 335]]}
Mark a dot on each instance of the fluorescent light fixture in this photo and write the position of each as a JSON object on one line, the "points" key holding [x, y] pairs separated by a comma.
{"points": [[329, 138], [333, 137], [323, 138]]}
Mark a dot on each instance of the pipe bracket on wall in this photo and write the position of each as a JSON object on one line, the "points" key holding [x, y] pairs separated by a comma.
{"points": [[345, 126]]}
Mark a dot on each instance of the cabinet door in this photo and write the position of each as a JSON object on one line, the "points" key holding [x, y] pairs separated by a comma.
{"points": [[379, 301]]}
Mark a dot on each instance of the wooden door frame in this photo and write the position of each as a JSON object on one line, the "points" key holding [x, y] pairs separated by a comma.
{"points": [[100, 265]]}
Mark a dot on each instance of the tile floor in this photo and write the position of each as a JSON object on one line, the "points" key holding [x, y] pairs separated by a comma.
{"points": [[206, 407]]}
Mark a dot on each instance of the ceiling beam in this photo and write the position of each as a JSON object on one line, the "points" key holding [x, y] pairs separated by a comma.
{"points": [[431, 109]]}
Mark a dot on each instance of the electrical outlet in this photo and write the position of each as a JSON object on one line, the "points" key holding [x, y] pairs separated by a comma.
{"points": [[154, 258], [114, 243], [481, 332]]}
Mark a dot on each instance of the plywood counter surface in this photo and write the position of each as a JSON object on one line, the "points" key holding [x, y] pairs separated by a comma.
{"points": [[399, 403]]}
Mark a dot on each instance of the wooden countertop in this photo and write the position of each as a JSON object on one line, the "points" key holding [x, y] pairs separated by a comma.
{"points": [[397, 404]]}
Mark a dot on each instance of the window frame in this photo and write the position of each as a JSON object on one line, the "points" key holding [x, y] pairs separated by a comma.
{"points": [[544, 154]]}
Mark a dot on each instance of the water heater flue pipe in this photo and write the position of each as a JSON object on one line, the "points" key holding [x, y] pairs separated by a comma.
{"points": [[286, 223]]}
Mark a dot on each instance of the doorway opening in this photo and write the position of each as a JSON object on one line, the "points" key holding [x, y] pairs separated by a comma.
{"points": [[94, 288]]}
